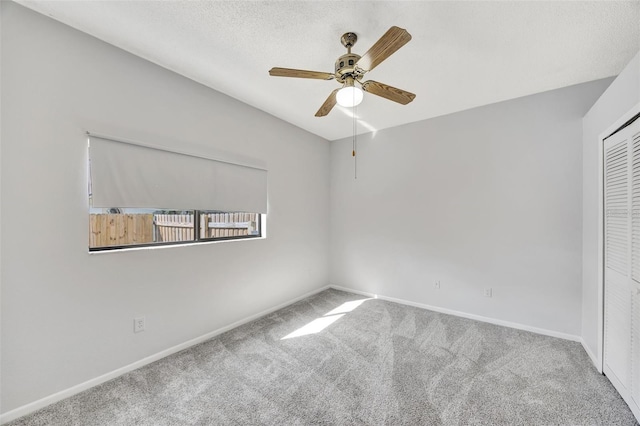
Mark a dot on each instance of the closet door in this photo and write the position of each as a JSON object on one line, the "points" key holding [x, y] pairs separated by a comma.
{"points": [[635, 350], [634, 136], [617, 321], [622, 263]]}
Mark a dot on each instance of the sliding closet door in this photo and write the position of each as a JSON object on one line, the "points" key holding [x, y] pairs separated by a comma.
{"points": [[622, 262]]}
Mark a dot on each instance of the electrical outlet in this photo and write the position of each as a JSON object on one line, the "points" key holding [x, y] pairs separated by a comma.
{"points": [[487, 292], [138, 324], [437, 285]]}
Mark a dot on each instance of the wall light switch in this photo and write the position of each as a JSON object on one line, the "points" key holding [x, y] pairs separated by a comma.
{"points": [[487, 292]]}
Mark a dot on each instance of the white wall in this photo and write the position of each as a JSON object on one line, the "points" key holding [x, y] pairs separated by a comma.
{"points": [[67, 315], [1, 43], [489, 197], [619, 98]]}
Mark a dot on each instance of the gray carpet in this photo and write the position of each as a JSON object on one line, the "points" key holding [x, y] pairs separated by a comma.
{"points": [[380, 364]]}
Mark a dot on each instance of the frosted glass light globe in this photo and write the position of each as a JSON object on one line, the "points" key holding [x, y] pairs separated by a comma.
{"points": [[349, 96]]}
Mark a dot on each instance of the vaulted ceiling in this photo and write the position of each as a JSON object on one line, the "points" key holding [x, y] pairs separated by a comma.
{"points": [[462, 55]]}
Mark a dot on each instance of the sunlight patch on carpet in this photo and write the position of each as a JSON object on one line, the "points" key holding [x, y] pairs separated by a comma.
{"points": [[319, 324]]}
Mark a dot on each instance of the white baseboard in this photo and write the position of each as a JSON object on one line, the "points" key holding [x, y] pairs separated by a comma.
{"points": [[58, 396], [510, 324], [594, 359]]}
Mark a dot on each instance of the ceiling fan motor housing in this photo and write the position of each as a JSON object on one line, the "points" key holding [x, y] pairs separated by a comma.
{"points": [[346, 67]]}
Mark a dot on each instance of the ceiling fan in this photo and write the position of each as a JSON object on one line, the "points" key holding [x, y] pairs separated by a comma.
{"points": [[350, 68]]}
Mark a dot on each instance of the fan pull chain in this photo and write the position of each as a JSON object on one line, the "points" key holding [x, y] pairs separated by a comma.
{"points": [[355, 143]]}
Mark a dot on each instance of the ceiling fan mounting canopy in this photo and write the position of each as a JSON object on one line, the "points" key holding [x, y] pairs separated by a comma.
{"points": [[350, 68], [348, 40]]}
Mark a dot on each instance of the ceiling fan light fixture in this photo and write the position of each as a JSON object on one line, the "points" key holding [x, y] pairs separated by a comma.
{"points": [[350, 95]]}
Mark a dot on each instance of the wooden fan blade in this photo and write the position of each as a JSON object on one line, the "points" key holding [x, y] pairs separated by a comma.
{"points": [[391, 41], [328, 105], [290, 72], [393, 94]]}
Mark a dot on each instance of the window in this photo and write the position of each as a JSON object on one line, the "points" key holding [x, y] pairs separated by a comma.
{"points": [[124, 174], [116, 228]]}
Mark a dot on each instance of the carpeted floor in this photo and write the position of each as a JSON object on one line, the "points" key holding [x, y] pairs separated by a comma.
{"points": [[374, 363]]}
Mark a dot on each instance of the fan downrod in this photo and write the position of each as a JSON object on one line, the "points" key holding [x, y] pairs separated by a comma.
{"points": [[346, 64]]}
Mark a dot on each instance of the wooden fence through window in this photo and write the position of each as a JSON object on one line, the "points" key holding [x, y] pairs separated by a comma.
{"points": [[173, 227], [114, 230], [108, 230], [221, 225]]}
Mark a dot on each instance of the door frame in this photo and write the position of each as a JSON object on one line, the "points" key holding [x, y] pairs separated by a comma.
{"points": [[601, 217]]}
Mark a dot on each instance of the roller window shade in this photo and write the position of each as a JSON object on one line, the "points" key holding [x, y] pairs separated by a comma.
{"points": [[129, 175]]}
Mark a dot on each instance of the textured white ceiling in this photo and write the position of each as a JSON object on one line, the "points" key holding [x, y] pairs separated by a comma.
{"points": [[462, 55]]}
